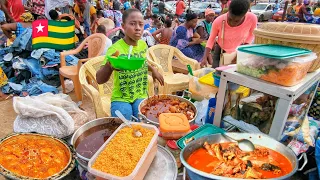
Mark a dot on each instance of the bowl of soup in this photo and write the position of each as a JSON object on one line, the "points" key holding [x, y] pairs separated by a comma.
{"points": [[216, 157]]}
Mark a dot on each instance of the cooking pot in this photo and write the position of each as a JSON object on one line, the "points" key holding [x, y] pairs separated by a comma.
{"points": [[144, 119], [110, 124], [257, 139], [64, 172]]}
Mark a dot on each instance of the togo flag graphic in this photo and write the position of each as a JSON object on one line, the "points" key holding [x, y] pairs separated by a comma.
{"points": [[57, 35]]}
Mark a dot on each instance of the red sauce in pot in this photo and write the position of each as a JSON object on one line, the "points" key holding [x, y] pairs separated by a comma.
{"points": [[228, 160]]}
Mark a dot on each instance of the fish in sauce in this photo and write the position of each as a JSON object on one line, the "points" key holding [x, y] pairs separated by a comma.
{"points": [[226, 159]]}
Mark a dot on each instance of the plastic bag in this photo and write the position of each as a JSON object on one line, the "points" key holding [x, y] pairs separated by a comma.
{"points": [[307, 132], [202, 107], [199, 90], [48, 114]]}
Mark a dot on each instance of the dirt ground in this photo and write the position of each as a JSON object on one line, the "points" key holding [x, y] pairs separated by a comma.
{"points": [[8, 115]]}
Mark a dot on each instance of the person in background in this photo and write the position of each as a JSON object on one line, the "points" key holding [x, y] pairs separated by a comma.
{"points": [[225, 4], [13, 10], [126, 5], [180, 7], [3, 38], [175, 22], [162, 7], [291, 14], [204, 27], [276, 7], [164, 33], [64, 17], [86, 14], [102, 29], [182, 38], [127, 93], [18, 27], [298, 6], [37, 8], [305, 12], [316, 11], [116, 5], [238, 29], [150, 5], [137, 5]]}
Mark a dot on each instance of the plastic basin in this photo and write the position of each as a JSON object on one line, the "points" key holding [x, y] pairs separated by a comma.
{"points": [[123, 63]]}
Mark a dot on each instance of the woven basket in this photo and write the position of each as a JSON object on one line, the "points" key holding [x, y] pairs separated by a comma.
{"points": [[291, 34]]}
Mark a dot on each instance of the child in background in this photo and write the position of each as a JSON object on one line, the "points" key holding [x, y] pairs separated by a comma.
{"points": [[129, 87], [102, 29], [164, 33]]}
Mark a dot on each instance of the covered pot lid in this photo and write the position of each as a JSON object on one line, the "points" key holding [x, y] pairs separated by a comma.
{"points": [[286, 30]]}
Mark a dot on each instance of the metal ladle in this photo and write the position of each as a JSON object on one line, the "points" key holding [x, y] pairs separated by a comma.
{"points": [[244, 144], [137, 133]]}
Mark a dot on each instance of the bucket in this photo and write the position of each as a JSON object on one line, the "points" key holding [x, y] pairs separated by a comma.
{"points": [[216, 80]]}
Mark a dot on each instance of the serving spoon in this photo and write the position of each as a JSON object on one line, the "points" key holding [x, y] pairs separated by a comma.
{"points": [[136, 133], [244, 144]]}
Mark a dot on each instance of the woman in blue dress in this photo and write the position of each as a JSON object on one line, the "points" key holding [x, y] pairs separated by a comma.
{"points": [[186, 40]]}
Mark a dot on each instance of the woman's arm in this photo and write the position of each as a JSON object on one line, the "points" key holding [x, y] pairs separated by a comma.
{"points": [[154, 34], [6, 12], [156, 75], [304, 10], [250, 37], [8, 28], [212, 39], [200, 31]]}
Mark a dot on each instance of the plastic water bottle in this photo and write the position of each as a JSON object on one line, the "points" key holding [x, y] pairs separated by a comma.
{"points": [[211, 110]]}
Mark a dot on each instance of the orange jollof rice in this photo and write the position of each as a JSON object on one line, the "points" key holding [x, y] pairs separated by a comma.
{"points": [[123, 152]]}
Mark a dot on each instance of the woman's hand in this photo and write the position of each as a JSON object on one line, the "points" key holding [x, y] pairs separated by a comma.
{"points": [[204, 62], [156, 75]]}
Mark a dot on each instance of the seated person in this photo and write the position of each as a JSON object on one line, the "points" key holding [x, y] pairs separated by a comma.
{"points": [[129, 87], [164, 33], [18, 27], [187, 40], [102, 29]]}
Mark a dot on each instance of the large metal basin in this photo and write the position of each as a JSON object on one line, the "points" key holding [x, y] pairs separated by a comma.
{"points": [[87, 129], [257, 139], [144, 119], [64, 172]]}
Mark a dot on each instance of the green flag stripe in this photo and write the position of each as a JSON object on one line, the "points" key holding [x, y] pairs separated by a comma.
{"points": [[61, 35], [53, 46], [61, 23]]}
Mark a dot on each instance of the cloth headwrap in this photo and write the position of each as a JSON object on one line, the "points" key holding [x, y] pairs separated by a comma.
{"points": [[209, 11]]}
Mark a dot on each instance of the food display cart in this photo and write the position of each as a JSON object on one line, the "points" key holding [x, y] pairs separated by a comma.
{"points": [[286, 95]]}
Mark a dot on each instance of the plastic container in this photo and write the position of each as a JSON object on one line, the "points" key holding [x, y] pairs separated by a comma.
{"points": [[216, 80], [285, 72], [142, 166], [173, 125], [301, 35], [199, 84], [123, 63], [204, 130], [274, 51], [175, 151], [211, 110]]}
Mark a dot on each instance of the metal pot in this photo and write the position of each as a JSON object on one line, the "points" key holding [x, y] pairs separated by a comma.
{"points": [[257, 139], [87, 129], [144, 119], [64, 172]]}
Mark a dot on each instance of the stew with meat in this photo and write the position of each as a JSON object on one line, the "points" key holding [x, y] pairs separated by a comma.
{"points": [[226, 159], [33, 156], [154, 108]]}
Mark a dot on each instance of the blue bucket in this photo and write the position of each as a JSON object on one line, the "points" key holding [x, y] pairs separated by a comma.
{"points": [[216, 80]]}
